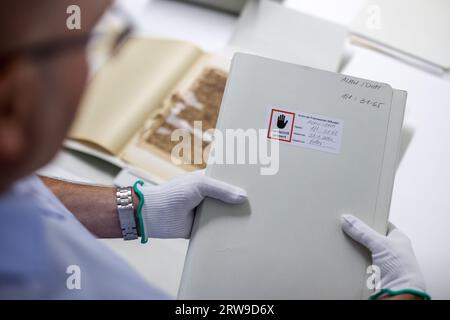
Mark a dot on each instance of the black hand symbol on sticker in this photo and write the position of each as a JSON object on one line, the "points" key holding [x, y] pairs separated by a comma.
{"points": [[281, 123]]}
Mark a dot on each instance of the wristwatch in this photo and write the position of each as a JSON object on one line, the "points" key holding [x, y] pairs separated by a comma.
{"points": [[125, 211]]}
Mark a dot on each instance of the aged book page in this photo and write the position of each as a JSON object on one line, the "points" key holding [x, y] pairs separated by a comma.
{"points": [[197, 97]]}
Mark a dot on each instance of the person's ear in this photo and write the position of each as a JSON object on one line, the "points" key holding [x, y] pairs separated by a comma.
{"points": [[12, 122]]}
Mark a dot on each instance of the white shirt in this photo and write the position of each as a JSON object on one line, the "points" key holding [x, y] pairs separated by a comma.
{"points": [[40, 241]]}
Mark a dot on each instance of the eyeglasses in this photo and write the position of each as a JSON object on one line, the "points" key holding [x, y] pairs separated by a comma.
{"points": [[49, 48]]}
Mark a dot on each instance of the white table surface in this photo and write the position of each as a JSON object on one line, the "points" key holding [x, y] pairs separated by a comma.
{"points": [[421, 198]]}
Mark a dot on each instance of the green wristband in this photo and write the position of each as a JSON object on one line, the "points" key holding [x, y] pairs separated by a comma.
{"points": [[390, 292], [144, 238]]}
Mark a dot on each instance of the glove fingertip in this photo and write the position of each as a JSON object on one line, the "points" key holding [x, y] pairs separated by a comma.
{"points": [[241, 192], [238, 195], [222, 191], [347, 221]]}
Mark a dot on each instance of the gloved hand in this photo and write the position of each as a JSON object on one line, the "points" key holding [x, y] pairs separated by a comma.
{"points": [[168, 210], [393, 254]]}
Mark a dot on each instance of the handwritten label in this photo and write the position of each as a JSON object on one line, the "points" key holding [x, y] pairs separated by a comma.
{"points": [[361, 83], [361, 96], [305, 130], [364, 101]]}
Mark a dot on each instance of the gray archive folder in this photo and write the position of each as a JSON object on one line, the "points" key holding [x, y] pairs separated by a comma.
{"points": [[285, 242]]}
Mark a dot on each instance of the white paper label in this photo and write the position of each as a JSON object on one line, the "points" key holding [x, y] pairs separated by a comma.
{"points": [[305, 130]]}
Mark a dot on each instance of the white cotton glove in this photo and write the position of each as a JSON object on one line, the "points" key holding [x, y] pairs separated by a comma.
{"points": [[168, 210], [393, 254]]}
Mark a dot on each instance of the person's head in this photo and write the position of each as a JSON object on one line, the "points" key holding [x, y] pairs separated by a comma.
{"points": [[42, 75]]}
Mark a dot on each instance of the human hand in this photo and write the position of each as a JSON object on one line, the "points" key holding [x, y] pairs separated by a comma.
{"points": [[393, 254], [168, 210]]}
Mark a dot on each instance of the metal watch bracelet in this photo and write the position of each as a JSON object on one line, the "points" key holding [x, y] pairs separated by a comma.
{"points": [[125, 210]]}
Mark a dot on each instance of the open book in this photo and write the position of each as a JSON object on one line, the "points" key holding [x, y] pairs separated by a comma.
{"points": [[136, 101]]}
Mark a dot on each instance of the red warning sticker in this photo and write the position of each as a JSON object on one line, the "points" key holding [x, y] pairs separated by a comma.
{"points": [[281, 125]]}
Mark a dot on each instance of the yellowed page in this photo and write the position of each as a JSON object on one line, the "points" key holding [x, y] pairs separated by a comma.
{"points": [[128, 88], [196, 97]]}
